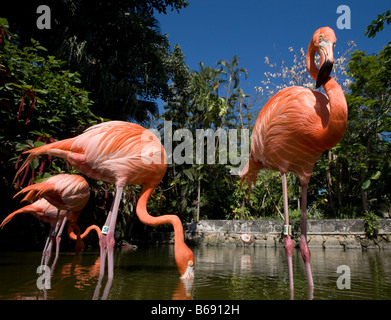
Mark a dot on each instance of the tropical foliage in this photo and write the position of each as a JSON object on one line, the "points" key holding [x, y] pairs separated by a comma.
{"points": [[377, 25], [207, 99], [118, 49], [40, 102]]}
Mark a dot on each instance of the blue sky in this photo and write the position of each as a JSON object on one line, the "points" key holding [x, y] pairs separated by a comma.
{"points": [[211, 30]]}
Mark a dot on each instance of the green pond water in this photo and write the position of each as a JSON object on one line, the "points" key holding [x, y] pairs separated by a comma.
{"points": [[221, 273]]}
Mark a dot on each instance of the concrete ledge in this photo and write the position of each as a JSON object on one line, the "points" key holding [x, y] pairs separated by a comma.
{"points": [[327, 234]]}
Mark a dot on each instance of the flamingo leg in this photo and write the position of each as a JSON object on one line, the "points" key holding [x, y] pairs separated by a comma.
{"points": [[288, 241], [49, 248], [103, 251], [110, 234], [58, 239], [47, 251], [305, 252], [107, 243], [103, 242], [107, 234]]}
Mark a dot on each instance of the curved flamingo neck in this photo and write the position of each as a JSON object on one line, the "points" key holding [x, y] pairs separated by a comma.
{"points": [[89, 229], [73, 236], [338, 111], [310, 61], [12, 215], [147, 219], [30, 209]]}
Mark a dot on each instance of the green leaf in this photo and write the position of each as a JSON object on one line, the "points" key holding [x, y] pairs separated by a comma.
{"points": [[38, 144], [41, 48], [3, 22], [188, 174], [42, 178], [365, 185], [43, 91], [34, 164], [376, 176]]}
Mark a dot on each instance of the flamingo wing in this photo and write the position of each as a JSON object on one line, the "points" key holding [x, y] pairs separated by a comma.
{"points": [[66, 192], [288, 131], [115, 151]]}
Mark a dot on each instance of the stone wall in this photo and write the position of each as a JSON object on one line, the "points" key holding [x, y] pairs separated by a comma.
{"points": [[333, 233]]}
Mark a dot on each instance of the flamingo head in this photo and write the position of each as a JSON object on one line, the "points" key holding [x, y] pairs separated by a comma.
{"points": [[184, 259], [324, 41]]}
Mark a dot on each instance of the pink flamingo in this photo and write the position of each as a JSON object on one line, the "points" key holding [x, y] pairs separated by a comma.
{"points": [[294, 128], [65, 192], [247, 238], [121, 153], [44, 211]]}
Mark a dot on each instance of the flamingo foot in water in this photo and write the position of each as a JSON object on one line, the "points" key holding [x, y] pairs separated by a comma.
{"points": [[107, 243], [289, 252], [305, 253]]}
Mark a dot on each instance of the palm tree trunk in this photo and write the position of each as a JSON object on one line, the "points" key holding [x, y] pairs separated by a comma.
{"points": [[329, 179], [198, 200]]}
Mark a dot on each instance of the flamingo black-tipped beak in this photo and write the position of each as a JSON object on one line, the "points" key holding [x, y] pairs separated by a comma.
{"points": [[326, 62], [324, 73]]}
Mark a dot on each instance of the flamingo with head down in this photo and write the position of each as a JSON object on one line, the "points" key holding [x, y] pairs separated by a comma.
{"points": [[44, 211], [74, 233], [69, 193], [294, 128], [121, 153]]}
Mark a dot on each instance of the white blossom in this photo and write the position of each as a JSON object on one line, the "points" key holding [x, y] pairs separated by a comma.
{"points": [[284, 76]]}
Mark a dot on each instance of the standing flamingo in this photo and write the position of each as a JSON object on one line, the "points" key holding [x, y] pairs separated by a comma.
{"points": [[121, 153], [65, 192], [292, 131]]}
